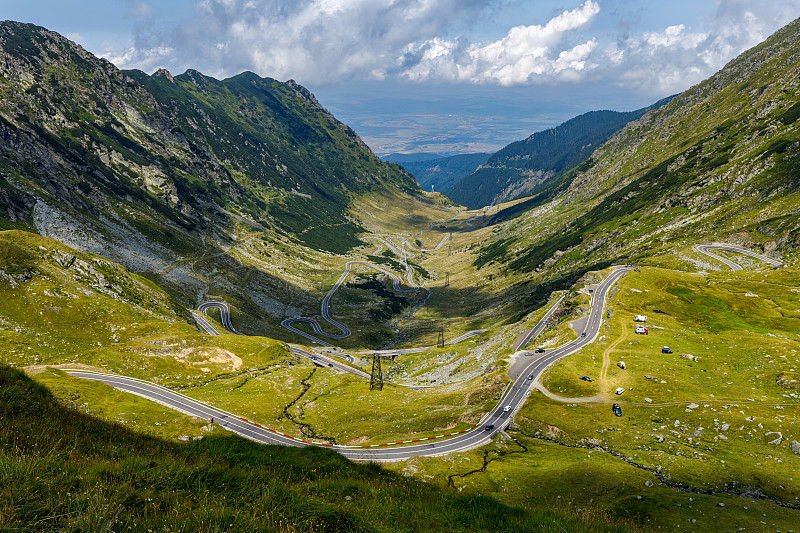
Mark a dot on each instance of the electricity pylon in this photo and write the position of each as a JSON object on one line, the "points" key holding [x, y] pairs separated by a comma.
{"points": [[376, 379]]}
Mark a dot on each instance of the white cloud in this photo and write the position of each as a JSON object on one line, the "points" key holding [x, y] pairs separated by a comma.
{"points": [[671, 60], [310, 40], [525, 55], [327, 41], [76, 37]]}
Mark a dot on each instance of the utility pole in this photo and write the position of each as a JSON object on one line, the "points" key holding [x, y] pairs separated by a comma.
{"points": [[376, 379], [447, 279], [450, 245], [440, 340]]}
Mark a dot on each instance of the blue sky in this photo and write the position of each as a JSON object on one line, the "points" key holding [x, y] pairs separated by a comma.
{"points": [[431, 75]]}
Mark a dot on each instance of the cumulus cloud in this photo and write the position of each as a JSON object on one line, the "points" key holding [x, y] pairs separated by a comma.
{"points": [[526, 54], [327, 41], [670, 60], [77, 37], [310, 40]]}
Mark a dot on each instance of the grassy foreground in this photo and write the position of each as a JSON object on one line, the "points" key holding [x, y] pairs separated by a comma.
{"points": [[61, 470]]}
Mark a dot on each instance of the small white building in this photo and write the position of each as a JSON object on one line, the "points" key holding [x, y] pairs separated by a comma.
{"points": [[640, 318]]}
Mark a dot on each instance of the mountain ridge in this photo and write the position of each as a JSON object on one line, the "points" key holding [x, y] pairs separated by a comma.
{"points": [[149, 138], [521, 166]]}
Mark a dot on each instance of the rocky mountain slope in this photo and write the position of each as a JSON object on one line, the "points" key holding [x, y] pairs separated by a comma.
{"points": [[719, 162], [157, 155], [519, 167]]}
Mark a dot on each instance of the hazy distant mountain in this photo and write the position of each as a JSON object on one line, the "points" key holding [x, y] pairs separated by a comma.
{"points": [[413, 157], [444, 172], [519, 167]]}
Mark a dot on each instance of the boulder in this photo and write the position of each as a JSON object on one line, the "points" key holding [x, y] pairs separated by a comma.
{"points": [[777, 440], [795, 446]]}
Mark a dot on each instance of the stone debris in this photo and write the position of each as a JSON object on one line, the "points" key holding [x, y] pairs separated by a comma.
{"points": [[776, 441]]}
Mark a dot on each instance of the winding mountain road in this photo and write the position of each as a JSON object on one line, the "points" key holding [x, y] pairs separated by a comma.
{"points": [[472, 438], [326, 304], [526, 336], [401, 252], [225, 318], [706, 249]]}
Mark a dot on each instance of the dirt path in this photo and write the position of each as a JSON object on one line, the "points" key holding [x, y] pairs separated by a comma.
{"points": [[599, 398], [603, 382]]}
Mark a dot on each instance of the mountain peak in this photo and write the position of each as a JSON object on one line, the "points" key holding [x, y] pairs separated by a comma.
{"points": [[165, 73]]}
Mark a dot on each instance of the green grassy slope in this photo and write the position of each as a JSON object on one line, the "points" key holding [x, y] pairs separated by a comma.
{"points": [[715, 422], [64, 470]]}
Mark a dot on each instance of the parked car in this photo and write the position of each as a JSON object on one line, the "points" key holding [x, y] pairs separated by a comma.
{"points": [[620, 390], [490, 427], [539, 350], [585, 378], [617, 409], [666, 349]]}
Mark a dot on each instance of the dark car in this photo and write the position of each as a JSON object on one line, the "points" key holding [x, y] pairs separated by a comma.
{"points": [[585, 378], [666, 349], [617, 409], [583, 334], [539, 350], [490, 427], [530, 376]]}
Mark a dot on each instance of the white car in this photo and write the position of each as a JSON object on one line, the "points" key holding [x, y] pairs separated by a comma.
{"points": [[507, 408], [619, 391]]}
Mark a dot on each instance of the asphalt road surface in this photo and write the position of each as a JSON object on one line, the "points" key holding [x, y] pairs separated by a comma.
{"points": [[326, 304], [526, 336], [225, 316], [706, 249], [499, 417]]}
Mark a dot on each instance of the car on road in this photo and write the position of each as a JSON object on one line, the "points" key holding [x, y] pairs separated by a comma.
{"points": [[507, 408], [313, 357], [585, 378], [583, 334], [539, 350], [666, 349], [530, 376], [490, 427], [617, 409]]}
